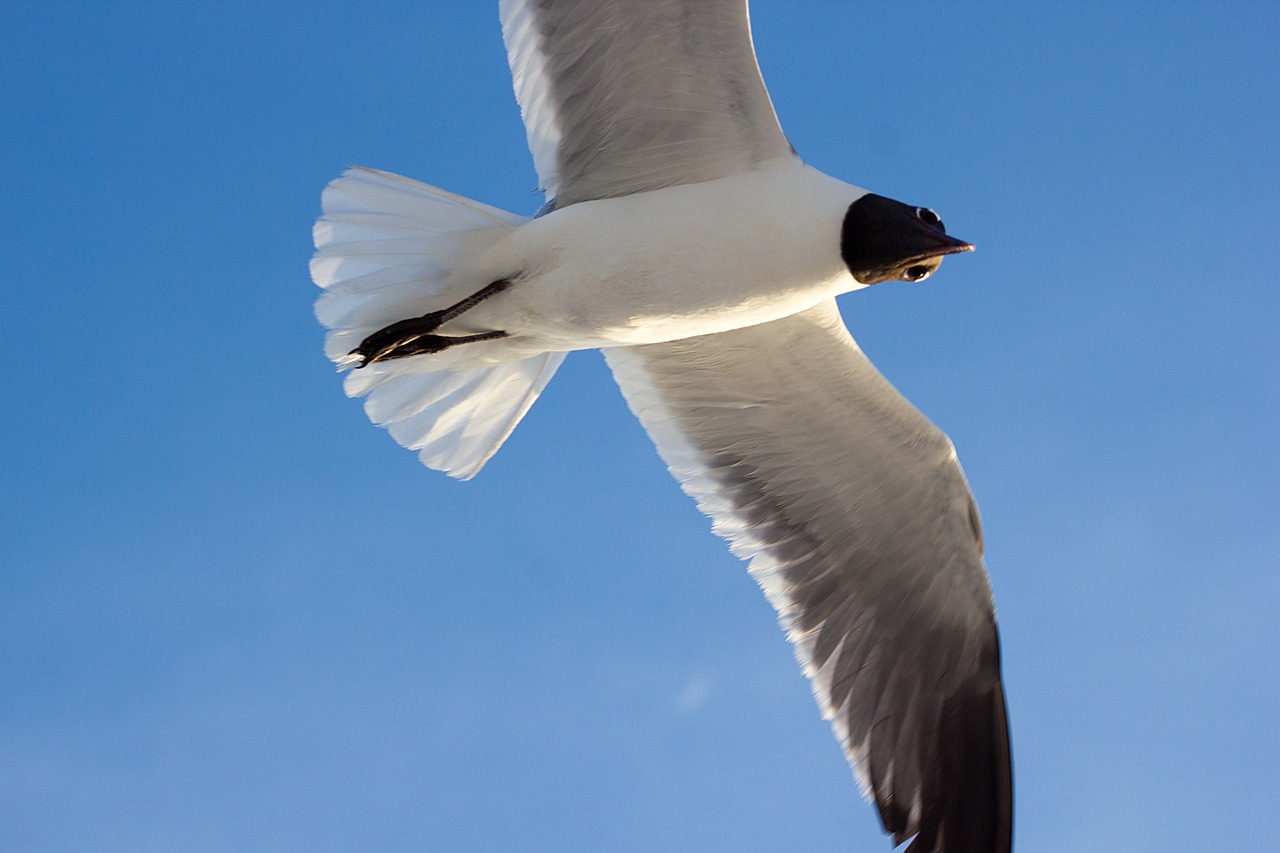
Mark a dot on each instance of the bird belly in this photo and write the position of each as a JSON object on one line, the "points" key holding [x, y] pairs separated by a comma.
{"points": [[669, 264]]}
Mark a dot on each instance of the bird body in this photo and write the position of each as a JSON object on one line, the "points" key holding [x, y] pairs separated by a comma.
{"points": [[666, 264]]}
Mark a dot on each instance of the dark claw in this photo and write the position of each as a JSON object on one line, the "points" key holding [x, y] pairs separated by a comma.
{"points": [[388, 342], [414, 336], [421, 345]]}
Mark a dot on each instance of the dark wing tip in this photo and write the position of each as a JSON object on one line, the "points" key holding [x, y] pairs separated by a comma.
{"points": [[970, 809]]}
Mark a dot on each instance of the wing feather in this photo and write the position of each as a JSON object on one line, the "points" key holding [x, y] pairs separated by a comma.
{"points": [[860, 528], [632, 95]]}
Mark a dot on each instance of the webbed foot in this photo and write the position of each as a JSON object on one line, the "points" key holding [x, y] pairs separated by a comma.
{"points": [[416, 336]]}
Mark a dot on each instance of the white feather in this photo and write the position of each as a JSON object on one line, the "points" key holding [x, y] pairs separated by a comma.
{"points": [[528, 75], [384, 250]]}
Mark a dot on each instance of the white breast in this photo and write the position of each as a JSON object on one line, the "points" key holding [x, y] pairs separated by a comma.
{"points": [[663, 265]]}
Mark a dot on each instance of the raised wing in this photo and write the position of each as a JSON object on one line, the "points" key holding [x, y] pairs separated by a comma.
{"points": [[860, 528], [625, 96]]}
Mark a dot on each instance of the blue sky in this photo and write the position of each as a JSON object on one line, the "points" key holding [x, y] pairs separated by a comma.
{"points": [[234, 615]]}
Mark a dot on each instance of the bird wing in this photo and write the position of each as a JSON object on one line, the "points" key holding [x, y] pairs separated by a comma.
{"points": [[860, 528], [626, 96]]}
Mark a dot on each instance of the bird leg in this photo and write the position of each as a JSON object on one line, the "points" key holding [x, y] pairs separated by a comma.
{"points": [[415, 335]]}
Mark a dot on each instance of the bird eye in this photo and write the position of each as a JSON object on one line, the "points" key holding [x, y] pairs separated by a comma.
{"points": [[918, 273], [928, 217]]}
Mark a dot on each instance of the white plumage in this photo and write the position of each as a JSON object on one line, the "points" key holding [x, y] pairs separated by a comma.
{"points": [[385, 249]]}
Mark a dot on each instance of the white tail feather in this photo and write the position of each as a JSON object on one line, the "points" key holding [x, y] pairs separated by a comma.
{"points": [[384, 251]]}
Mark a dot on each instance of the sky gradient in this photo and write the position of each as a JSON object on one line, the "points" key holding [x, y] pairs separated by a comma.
{"points": [[235, 615]]}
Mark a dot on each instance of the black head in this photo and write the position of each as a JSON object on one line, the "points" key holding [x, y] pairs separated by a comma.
{"points": [[886, 240]]}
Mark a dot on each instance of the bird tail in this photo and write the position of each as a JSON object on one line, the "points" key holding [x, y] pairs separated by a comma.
{"points": [[385, 247]]}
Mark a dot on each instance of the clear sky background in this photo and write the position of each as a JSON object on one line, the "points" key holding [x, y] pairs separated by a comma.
{"points": [[236, 616]]}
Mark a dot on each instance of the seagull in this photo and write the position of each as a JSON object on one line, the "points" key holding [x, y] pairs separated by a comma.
{"points": [[684, 237]]}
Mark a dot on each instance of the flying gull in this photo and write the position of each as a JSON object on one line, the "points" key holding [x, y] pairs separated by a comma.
{"points": [[684, 237]]}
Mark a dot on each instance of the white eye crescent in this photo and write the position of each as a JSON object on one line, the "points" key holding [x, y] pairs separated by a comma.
{"points": [[928, 217]]}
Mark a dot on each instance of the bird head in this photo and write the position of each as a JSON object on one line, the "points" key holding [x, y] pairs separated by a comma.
{"points": [[886, 240]]}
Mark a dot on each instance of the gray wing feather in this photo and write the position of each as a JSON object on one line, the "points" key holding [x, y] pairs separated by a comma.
{"points": [[626, 96], [860, 528]]}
